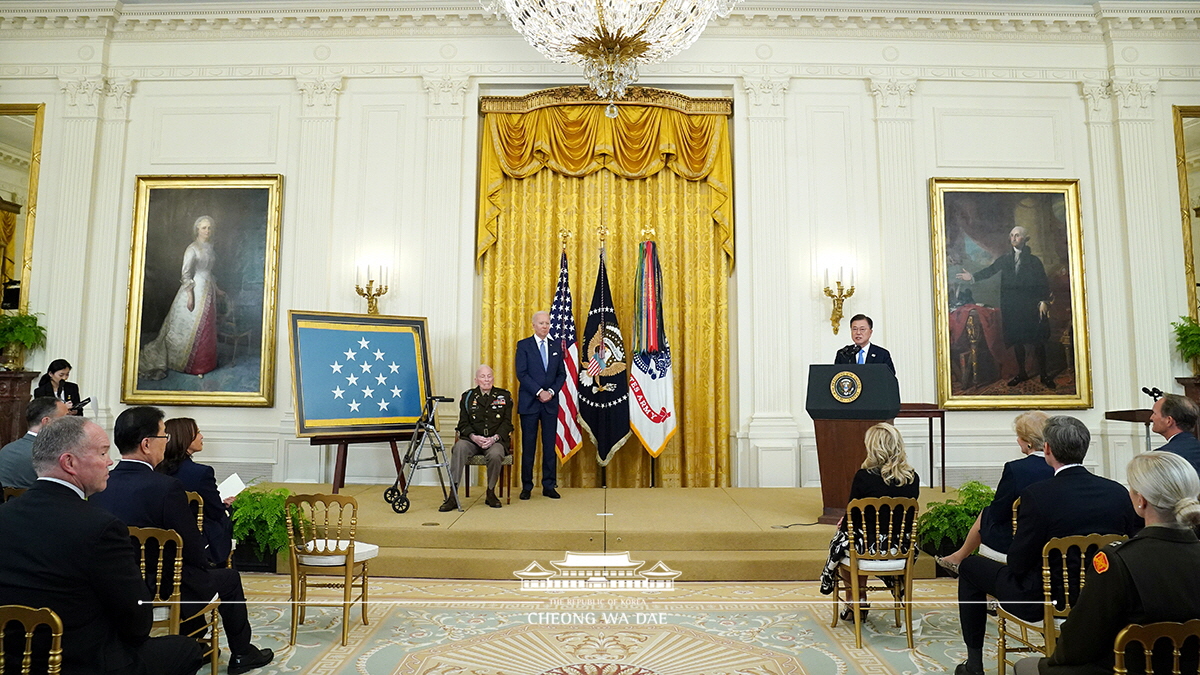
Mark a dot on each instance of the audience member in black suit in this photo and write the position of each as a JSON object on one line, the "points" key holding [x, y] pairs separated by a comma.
{"points": [[1174, 418], [993, 527], [63, 553], [861, 327], [884, 473], [141, 497], [1073, 502], [1149, 578], [16, 458], [54, 384], [186, 440]]}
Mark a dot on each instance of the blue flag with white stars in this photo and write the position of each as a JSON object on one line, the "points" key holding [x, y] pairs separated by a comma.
{"points": [[357, 375]]}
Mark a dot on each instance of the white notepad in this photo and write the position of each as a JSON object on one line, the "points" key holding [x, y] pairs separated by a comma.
{"points": [[230, 487]]}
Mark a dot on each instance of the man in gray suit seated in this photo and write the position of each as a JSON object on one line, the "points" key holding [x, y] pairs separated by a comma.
{"points": [[16, 458]]}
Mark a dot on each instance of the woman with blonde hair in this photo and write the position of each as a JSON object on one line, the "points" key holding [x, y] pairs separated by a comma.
{"points": [[884, 473], [994, 526], [1149, 578]]}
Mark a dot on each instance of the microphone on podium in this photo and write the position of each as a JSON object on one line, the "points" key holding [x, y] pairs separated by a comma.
{"points": [[1154, 393]]}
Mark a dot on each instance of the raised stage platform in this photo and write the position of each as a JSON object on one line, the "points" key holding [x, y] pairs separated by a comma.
{"points": [[707, 534]]}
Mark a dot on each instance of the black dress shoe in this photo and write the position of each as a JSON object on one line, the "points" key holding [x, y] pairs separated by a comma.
{"points": [[1048, 382], [1018, 380], [524, 494], [551, 493], [448, 505], [492, 500], [965, 668], [256, 658]]}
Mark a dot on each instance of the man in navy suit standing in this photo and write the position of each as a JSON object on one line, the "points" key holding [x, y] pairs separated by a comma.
{"points": [[1174, 418], [541, 372], [862, 351]]}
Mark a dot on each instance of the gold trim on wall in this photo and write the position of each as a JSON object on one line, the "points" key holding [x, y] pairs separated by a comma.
{"points": [[642, 96], [265, 395], [38, 111], [1068, 251], [1185, 206]]}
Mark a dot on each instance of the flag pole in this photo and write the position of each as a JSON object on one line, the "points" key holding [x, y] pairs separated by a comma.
{"points": [[648, 234]]}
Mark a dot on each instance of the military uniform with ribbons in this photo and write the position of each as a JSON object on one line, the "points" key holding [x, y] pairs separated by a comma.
{"points": [[487, 414], [1149, 578]]}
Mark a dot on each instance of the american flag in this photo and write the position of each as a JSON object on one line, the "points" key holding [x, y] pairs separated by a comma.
{"points": [[568, 438]]}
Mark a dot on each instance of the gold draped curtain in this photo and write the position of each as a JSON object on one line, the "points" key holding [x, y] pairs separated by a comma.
{"points": [[564, 167]]}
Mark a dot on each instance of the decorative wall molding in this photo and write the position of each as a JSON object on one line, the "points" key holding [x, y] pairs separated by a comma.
{"points": [[14, 157], [320, 94], [82, 93], [1134, 98], [446, 94], [1097, 97], [892, 97], [766, 95], [117, 93]]}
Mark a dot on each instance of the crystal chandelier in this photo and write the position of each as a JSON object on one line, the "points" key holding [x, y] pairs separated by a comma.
{"points": [[609, 38]]}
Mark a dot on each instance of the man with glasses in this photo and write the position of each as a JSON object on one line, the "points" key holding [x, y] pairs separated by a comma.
{"points": [[141, 497]]}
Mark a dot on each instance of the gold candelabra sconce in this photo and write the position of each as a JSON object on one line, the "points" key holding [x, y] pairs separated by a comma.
{"points": [[371, 288], [839, 296]]}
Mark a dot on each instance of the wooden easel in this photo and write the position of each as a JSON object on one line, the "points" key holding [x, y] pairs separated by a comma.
{"points": [[343, 444]]}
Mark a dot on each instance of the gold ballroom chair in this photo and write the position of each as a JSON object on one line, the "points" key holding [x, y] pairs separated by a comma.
{"points": [[160, 558], [196, 504], [321, 529], [1148, 635], [883, 528], [1061, 583], [30, 619], [12, 493]]}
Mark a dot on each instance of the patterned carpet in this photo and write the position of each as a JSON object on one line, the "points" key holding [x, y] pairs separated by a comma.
{"points": [[431, 627]]}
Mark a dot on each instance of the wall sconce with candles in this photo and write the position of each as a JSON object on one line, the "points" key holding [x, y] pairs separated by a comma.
{"points": [[839, 297], [371, 288]]}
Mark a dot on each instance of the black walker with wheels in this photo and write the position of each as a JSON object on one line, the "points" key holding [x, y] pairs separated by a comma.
{"points": [[397, 494]]}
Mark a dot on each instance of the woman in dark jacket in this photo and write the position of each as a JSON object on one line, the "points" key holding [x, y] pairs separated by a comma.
{"points": [[185, 441], [54, 384]]}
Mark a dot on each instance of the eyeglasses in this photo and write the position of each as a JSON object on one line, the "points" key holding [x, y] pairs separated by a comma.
{"points": [[164, 436]]}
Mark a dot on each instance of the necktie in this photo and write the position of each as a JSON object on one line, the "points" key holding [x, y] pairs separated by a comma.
{"points": [[545, 358], [862, 356], [1017, 263]]}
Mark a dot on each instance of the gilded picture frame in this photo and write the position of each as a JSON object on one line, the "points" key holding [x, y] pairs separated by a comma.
{"points": [[1010, 309], [1187, 161], [200, 321], [357, 374]]}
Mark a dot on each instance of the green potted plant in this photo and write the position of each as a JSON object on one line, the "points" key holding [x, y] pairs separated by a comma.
{"points": [[18, 332], [943, 527], [259, 527], [1187, 341]]}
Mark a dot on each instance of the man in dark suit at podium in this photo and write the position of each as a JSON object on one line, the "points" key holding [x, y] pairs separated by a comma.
{"points": [[862, 351], [1174, 418]]}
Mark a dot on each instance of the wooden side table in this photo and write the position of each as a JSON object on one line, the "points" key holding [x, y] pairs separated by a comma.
{"points": [[15, 389]]}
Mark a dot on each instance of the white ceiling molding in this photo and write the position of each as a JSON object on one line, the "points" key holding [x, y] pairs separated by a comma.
{"points": [[257, 19]]}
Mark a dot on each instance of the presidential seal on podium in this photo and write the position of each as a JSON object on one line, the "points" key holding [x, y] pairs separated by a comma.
{"points": [[845, 387]]}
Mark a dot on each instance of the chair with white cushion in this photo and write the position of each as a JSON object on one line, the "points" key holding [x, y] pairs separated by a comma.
{"points": [[321, 528], [881, 545], [991, 553]]}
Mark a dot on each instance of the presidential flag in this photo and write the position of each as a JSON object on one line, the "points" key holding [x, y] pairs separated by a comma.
{"points": [[604, 384], [651, 383], [568, 438]]}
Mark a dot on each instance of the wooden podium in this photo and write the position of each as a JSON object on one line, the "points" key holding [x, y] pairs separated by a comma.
{"points": [[844, 401]]}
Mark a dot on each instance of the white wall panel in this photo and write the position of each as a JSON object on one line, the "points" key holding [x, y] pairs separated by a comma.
{"points": [[215, 136], [999, 138]]}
